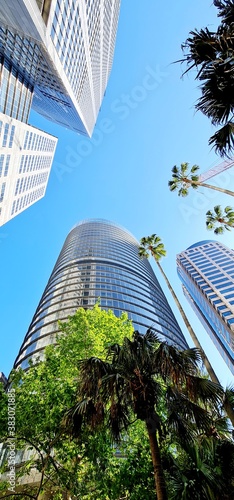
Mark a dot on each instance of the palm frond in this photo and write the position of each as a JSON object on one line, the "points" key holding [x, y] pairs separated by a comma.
{"points": [[223, 140], [142, 252], [194, 169], [220, 230], [205, 390], [172, 185], [226, 11], [183, 192], [175, 170]]}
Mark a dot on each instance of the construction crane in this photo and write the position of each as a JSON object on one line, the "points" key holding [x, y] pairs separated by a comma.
{"points": [[216, 170]]}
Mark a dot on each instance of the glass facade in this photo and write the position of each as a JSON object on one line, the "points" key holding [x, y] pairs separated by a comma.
{"points": [[64, 51], [206, 270], [99, 261], [16, 92]]}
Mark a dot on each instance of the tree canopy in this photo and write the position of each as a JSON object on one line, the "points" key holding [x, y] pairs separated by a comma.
{"points": [[89, 465], [150, 381], [48, 388]]}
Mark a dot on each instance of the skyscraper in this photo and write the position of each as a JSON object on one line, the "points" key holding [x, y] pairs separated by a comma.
{"points": [[26, 153], [206, 270], [99, 260], [62, 51], [26, 156]]}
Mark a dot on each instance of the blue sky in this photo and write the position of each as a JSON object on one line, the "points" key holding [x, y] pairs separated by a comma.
{"points": [[146, 124]]}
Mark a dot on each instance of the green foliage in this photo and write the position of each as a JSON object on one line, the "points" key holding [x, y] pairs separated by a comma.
{"points": [[44, 392], [211, 53], [220, 220], [152, 245], [90, 466], [200, 471], [153, 382], [184, 178]]}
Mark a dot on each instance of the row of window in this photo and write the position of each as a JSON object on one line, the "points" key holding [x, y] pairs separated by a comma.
{"points": [[138, 314], [16, 93], [216, 334], [27, 183], [4, 165], [2, 191], [7, 132], [27, 200], [31, 163], [37, 142]]}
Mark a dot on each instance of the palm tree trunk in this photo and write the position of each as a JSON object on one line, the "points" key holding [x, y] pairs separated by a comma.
{"points": [[160, 484], [216, 188], [196, 342]]}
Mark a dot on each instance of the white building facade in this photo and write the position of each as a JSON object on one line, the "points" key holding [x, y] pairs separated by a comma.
{"points": [[26, 156]]}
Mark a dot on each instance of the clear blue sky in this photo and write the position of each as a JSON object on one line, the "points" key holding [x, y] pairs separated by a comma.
{"points": [[147, 124]]}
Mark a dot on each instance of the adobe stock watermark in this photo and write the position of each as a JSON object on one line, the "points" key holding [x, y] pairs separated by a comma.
{"points": [[121, 107], [204, 198], [11, 440]]}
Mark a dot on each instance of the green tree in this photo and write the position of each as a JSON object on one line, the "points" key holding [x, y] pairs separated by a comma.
{"points": [[152, 245], [127, 469], [203, 470], [186, 177], [220, 220], [46, 390], [211, 54], [142, 378]]}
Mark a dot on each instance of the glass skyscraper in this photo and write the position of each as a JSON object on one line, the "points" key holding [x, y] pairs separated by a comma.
{"points": [[61, 52], [55, 57], [99, 261], [206, 270]]}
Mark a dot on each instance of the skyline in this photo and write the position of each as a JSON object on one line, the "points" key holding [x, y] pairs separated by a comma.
{"points": [[121, 174]]}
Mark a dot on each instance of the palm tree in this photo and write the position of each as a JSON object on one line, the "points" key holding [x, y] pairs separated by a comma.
{"points": [[185, 177], [153, 245], [222, 219], [212, 54], [200, 471], [139, 378]]}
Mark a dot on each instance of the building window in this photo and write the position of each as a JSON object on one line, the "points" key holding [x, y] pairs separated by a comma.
{"points": [[2, 192], [7, 165], [4, 141], [12, 136]]}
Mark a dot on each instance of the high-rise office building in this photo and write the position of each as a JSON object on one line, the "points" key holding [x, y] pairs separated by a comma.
{"points": [[99, 260], [206, 270], [26, 153], [56, 57], [62, 52], [26, 156]]}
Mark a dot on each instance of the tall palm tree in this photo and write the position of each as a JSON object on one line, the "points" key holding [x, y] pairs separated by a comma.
{"points": [[186, 177], [152, 245], [139, 378], [220, 220], [211, 53]]}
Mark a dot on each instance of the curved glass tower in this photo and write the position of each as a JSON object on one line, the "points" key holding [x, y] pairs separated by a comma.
{"points": [[99, 260]]}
